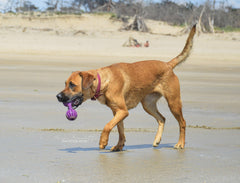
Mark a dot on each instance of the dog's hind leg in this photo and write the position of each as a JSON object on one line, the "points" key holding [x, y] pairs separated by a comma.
{"points": [[150, 106], [172, 95]]}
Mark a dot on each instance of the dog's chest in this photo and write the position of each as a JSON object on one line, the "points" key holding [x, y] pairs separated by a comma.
{"points": [[102, 99]]}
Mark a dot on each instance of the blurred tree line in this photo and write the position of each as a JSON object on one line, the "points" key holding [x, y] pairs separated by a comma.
{"points": [[212, 13]]}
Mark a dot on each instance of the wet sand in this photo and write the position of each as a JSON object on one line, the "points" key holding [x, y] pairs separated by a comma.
{"points": [[33, 156], [38, 144]]}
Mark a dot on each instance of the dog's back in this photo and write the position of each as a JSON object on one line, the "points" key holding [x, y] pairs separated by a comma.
{"points": [[136, 79]]}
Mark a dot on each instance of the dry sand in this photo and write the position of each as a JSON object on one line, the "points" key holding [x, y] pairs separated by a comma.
{"points": [[38, 144]]}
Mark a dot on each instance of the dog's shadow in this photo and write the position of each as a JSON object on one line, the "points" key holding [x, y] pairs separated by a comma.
{"points": [[107, 149]]}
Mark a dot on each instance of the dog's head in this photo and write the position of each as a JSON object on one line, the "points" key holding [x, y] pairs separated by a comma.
{"points": [[77, 88]]}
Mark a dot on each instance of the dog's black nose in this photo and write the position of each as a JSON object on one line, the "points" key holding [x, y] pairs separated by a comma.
{"points": [[60, 97]]}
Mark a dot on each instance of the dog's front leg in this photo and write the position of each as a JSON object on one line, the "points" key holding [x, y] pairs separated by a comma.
{"points": [[119, 116]]}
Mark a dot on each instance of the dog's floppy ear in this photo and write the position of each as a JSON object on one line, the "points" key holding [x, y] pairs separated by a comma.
{"points": [[87, 79]]}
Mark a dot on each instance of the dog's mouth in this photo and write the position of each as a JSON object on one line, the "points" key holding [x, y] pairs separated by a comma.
{"points": [[75, 101]]}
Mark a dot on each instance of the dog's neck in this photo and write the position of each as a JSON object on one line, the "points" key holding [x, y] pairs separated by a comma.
{"points": [[97, 92]]}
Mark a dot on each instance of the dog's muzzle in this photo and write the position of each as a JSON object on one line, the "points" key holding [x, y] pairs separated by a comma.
{"points": [[75, 101], [62, 97]]}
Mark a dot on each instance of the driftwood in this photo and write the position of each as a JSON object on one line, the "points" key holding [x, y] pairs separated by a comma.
{"points": [[38, 29], [185, 30], [110, 6], [200, 26], [138, 24], [79, 32], [211, 24]]}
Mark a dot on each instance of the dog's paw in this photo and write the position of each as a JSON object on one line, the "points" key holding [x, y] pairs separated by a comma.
{"points": [[156, 143], [117, 148], [102, 146], [179, 146], [103, 143]]}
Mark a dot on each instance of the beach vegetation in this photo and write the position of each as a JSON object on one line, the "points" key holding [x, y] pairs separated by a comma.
{"points": [[211, 15]]}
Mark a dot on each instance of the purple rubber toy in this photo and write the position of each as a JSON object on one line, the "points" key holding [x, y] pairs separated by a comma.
{"points": [[71, 114]]}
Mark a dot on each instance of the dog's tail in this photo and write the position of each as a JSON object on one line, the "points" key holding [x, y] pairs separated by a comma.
{"points": [[186, 50]]}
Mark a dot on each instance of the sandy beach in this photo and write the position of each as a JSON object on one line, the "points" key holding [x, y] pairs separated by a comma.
{"points": [[38, 143]]}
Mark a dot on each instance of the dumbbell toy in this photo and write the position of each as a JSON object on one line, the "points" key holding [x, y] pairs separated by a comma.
{"points": [[71, 114]]}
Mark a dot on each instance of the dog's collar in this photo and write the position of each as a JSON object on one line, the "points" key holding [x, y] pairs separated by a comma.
{"points": [[97, 93]]}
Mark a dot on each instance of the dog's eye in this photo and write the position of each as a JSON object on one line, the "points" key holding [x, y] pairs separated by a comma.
{"points": [[72, 85]]}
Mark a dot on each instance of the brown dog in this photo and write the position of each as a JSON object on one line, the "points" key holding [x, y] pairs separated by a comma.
{"points": [[122, 86]]}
